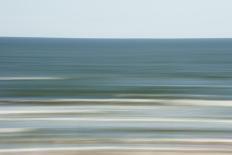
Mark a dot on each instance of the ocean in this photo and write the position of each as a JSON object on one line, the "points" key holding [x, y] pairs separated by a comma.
{"points": [[115, 94]]}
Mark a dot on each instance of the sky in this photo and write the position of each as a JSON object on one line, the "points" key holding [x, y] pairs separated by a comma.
{"points": [[116, 18]]}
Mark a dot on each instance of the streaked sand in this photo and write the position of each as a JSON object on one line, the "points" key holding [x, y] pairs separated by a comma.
{"points": [[118, 153]]}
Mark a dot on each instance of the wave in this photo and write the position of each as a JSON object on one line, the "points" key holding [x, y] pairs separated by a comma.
{"points": [[119, 148], [44, 111], [30, 78], [177, 140], [196, 96], [14, 130], [174, 102], [94, 119]]}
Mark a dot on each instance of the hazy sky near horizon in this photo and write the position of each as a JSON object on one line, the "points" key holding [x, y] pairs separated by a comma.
{"points": [[116, 18]]}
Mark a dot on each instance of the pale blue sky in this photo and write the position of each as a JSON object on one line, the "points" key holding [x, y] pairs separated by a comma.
{"points": [[116, 18]]}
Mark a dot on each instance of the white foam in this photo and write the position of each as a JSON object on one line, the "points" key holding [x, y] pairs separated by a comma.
{"points": [[94, 119], [224, 103], [13, 130], [166, 95], [197, 140], [45, 111], [119, 148], [195, 85], [30, 78]]}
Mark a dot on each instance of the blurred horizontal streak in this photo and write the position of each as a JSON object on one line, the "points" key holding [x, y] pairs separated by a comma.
{"points": [[112, 96], [30, 78], [117, 148], [122, 102], [30, 111], [12, 130], [121, 120]]}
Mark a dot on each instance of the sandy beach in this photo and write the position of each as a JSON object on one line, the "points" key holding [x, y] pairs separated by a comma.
{"points": [[118, 153]]}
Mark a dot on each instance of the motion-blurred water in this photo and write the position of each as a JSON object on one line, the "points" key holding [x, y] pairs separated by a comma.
{"points": [[115, 94]]}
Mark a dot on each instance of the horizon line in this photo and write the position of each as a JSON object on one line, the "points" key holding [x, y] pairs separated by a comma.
{"points": [[121, 38]]}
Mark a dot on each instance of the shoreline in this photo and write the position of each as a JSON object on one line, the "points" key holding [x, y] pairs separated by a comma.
{"points": [[116, 152]]}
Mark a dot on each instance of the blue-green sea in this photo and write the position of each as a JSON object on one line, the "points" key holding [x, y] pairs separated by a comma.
{"points": [[144, 94]]}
